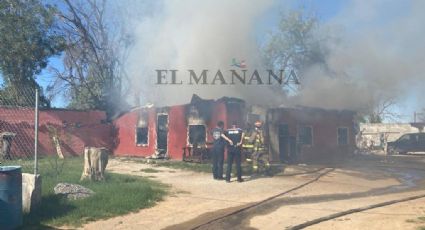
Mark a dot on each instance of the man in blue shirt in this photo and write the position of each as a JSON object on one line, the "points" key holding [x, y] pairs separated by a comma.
{"points": [[236, 135], [218, 150]]}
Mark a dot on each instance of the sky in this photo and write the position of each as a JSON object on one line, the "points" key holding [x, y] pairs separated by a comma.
{"points": [[356, 17]]}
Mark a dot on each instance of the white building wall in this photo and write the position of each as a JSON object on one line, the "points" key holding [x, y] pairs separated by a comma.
{"points": [[376, 135]]}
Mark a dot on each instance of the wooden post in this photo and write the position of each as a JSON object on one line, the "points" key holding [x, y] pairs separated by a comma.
{"points": [[56, 142], [95, 161]]}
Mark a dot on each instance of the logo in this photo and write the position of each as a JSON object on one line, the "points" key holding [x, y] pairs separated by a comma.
{"points": [[239, 75], [216, 135], [240, 64]]}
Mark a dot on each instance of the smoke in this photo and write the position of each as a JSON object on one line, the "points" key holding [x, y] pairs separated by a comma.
{"points": [[198, 35], [380, 57], [380, 53]]}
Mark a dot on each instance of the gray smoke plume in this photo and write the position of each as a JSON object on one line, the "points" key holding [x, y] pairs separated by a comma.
{"points": [[380, 53], [196, 35], [380, 56]]}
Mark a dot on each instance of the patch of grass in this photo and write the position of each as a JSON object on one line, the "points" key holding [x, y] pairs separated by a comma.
{"points": [[421, 220], [150, 170], [117, 195]]}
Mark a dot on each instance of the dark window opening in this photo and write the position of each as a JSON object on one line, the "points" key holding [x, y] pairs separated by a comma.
{"points": [[142, 136], [342, 136], [305, 135], [162, 133], [197, 135]]}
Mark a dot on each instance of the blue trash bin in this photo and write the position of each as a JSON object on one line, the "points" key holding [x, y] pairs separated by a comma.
{"points": [[10, 197]]}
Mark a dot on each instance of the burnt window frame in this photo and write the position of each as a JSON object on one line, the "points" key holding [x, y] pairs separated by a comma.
{"points": [[188, 135], [136, 137], [347, 136], [299, 135]]}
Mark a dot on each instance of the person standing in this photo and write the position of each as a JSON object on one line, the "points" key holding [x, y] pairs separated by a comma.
{"points": [[236, 135], [259, 151], [218, 150]]}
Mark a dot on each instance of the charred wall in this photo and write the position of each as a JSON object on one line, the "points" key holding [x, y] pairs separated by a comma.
{"points": [[285, 125], [180, 117]]}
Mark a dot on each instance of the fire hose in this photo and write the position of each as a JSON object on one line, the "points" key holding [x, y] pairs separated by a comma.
{"points": [[354, 210], [265, 200]]}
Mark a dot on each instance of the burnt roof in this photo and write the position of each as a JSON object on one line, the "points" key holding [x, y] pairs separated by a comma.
{"points": [[315, 109], [196, 99]]}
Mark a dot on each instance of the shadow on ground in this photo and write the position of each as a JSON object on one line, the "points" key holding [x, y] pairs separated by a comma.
{"points": [[54, 206], [410, 179]]}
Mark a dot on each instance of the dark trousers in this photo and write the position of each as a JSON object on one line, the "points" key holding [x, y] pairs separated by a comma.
{"points": [[234, 153], [217, 162]]}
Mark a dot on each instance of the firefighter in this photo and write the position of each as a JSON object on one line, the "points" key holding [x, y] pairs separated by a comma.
{"points": [[260, 157], [236, 135], [247, 145]]}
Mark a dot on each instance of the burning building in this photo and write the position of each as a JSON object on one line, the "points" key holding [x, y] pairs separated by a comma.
{"points": [[292, 133], [305, 133], [146, 130], [299, 133]]}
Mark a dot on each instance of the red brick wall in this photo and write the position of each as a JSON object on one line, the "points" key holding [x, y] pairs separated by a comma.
{"points": [[84, 128], [125, 128], [177, 129], [21, 122], [76, 129], [125, 134]]}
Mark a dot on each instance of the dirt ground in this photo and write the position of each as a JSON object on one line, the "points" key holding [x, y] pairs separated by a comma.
{"points": [[195, 198]]}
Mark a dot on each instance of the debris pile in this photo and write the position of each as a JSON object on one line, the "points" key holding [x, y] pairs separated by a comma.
{"points": [[72, 191]]}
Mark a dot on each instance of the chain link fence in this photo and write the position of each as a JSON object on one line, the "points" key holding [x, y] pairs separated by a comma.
{"points": [[17, 127]]}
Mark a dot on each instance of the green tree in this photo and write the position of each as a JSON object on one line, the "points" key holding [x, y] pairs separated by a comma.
{"points": [[296, 44], [27, 40], [300, 42]]}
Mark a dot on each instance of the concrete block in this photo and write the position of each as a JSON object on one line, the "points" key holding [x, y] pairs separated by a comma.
{"points": [[31, 191]]}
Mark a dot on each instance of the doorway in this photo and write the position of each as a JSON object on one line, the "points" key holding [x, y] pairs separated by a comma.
{"points": [[283, 142], [162, 133]]}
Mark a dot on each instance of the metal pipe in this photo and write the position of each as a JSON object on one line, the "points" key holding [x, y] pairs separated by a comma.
{"points": [[36, 134]]}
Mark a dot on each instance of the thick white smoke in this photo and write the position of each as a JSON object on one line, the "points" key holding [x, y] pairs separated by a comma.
{"points": [[380, 53], [196, 35], [380, 56]]}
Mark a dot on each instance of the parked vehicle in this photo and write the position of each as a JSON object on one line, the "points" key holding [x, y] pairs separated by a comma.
{"points": [[411, 142]]}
